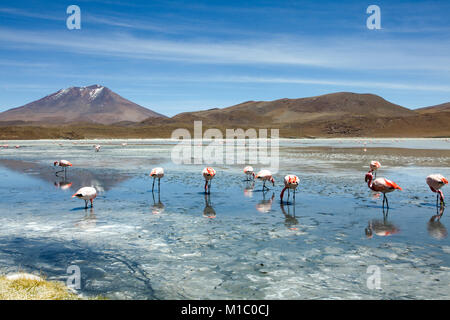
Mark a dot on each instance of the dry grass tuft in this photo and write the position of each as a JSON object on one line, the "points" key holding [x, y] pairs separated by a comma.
{"points": [[23, 288]]}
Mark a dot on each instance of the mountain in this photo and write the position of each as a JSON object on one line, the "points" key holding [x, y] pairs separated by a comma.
{"points": [[94, 104], [445, 107], [341, 114], [334, 106]]}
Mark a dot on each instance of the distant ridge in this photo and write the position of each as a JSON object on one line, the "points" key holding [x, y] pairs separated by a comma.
{"points": [[94, 104], [444, 107], [332, 106], [100, 113]]}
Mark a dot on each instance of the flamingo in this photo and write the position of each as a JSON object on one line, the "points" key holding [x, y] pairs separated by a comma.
{"points": [[382, 185], [87, 194], [290, 182], [249, 172], [62, 163], [157, 173], [97, 147], [265, 175], [436, 182], [374, 166], [208, 174]]}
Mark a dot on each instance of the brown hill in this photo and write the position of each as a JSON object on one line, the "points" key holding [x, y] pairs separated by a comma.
{"points": [[445, 107], [330, 107], [94, 104], [333, 115]]}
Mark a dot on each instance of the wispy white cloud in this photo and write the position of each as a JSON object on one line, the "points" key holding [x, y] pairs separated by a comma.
{"points": [[31, 14], [351, 54]]}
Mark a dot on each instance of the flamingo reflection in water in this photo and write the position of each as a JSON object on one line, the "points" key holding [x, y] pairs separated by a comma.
{"points": [[435, 227], [89, 220], [249, 187], [264, 205], [158, 206], [63, 184], [381, 228], [290, 221], [209, 211]]}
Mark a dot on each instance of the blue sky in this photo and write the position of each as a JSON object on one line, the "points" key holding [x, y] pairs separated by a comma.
{"points": [[175, 56]]}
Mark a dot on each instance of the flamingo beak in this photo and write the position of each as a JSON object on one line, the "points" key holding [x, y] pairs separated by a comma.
{"points": [[444, 180]]}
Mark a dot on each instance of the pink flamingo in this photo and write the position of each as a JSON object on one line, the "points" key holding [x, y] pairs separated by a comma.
{"points": [[381, 185], [290, 182], [208, 174], [436, 182], [62, 163], [157, 173], [87, 194], [248, 170], [374, 166], [265, 175]]}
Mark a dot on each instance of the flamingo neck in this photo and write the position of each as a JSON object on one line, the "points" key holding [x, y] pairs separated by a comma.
{"points": [[369, 182], [282, 193]]}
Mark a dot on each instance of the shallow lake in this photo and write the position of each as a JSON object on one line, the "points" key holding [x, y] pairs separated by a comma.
{"points": [[238, 242]]}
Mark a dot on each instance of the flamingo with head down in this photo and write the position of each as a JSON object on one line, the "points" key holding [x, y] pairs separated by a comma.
{"points": [[436, 182], [265, 175], [290, 182], [87, 194], [208, 174], [157, 173], [63, 164], [248, 170]]}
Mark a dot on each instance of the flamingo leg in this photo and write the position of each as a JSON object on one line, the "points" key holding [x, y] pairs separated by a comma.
{"points": [[387, 202], [92, 203], [209, 187], [159, 184], [294, 195], [85, 204], [153, 186]]}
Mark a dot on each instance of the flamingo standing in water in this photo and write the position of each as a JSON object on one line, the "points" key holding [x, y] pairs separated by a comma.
{"points": [[97, 147], [381, 185], [157, 173], [265, 175], [249, 172], [87, 194], [208, 174], [436, 182], [374, 166], [290, 182], [62, 163]]}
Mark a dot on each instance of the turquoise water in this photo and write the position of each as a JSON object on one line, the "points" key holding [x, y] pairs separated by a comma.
{"points": [[238, 242]]}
